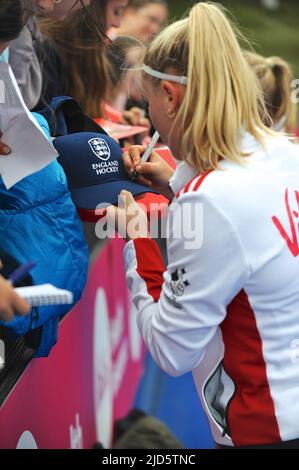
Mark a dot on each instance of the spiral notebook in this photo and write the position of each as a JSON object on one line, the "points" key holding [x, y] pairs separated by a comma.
{"points": [[45, 294]]}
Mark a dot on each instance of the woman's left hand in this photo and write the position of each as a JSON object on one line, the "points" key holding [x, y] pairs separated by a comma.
{"points": [[128, 219]]}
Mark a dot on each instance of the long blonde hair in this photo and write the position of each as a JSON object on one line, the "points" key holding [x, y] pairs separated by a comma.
{"points": [[222, 96], [275, 76]]}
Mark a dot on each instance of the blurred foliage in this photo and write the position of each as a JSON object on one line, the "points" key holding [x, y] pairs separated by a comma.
{"points": [[270, 32]]}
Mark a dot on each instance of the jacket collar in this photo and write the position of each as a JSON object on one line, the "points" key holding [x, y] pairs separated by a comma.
{"points": [[182, 175]]}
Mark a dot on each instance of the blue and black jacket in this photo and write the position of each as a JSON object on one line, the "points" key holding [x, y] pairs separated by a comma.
{"points": [[39, 222]]}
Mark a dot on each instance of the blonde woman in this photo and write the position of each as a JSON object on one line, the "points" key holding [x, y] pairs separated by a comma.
{"points": [[227, 305], [276, 76]]}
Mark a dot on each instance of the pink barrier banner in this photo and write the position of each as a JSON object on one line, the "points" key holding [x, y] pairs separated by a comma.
{"points": [[72, 398]]}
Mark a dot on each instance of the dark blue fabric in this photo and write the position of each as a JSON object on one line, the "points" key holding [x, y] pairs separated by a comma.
{"points": [[54, 115], [65, 116], [38, 222]]}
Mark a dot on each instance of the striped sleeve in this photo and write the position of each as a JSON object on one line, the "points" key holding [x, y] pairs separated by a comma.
{"points": [[180, 308]]}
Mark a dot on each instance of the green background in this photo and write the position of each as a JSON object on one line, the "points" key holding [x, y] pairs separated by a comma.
{"points": [[270, 32]]}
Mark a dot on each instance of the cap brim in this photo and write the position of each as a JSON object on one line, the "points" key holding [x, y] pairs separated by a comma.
{"points": [[106, 194]]}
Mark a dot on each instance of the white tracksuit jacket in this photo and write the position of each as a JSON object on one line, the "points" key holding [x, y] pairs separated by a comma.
{"points": [[229, 310]]}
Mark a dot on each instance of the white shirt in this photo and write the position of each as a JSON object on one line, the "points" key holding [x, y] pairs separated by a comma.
{"points": [[229, 310]]}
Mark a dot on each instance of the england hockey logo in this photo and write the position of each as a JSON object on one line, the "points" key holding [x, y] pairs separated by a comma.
{"points": [[177, 283], [100, 148]]}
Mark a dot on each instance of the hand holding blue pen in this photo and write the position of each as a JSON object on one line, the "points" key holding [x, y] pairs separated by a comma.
{"points": [[21, 272], [11, 304]]}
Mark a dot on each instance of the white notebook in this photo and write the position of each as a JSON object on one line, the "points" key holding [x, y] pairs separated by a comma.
{"points": [[45, 294]]}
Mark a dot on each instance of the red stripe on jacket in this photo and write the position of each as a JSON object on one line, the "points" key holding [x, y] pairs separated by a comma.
{"points": [[150, 265], [186, 188], [201, 180], [251, 413]]}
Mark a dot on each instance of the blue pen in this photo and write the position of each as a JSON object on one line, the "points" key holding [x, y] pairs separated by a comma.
{"points": [[21, 272]]}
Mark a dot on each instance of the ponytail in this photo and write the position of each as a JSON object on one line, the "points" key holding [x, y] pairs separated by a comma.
{"points": [[275, 76], [222, 96]]}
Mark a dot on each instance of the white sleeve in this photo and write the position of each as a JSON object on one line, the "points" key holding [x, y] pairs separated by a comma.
{"points": [[179, 310], [26, 68]]}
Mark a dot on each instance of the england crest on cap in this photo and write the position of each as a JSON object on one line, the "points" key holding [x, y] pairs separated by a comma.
{"points": [[100, 148]]}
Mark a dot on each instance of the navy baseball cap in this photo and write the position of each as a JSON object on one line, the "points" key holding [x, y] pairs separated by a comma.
{"points": [[94, 169]]}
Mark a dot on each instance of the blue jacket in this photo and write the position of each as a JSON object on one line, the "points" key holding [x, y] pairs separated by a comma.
{"points": [[38, 222]]}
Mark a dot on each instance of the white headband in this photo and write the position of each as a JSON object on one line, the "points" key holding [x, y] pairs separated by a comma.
{"points": [[165, 76]]}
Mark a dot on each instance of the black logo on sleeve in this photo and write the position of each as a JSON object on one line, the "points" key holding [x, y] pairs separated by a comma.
{"points": [[177, 283]]}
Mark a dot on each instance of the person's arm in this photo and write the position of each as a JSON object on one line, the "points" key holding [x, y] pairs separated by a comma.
{"points": [[10, 302], [25, 65], [180, 308], [155, 173]]}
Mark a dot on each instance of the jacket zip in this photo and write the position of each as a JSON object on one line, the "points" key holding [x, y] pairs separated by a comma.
{"points": [[227, 430]]}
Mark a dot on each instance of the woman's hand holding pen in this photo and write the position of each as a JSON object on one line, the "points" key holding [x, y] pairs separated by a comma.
{"points": [[129, 219], [154, 173]]}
